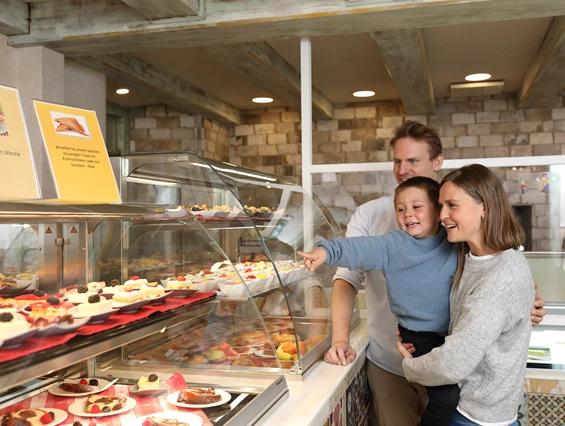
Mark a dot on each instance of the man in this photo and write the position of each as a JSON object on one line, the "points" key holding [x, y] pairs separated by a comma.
{"points": [[397, 402]]}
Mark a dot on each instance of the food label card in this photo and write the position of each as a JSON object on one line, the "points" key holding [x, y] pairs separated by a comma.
{"points": [[16, 158], [77, 153]]}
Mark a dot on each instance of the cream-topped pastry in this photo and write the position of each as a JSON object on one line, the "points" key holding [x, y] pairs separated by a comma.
{"points": [[180, 283], [95, 305], [12, 324], [127, 296], [80, 297], [135, 282], [152, 290]]}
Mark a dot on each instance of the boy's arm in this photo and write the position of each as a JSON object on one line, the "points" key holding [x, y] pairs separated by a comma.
{"points": [[365, 253]]}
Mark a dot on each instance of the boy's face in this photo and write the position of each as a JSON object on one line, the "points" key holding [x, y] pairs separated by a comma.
{"points": [[416, 214]]}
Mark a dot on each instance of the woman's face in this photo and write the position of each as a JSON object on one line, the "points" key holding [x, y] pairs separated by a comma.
{"points": [[461, 216]]}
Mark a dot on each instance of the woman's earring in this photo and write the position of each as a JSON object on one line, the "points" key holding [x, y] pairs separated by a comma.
{"points": [[482, 217]]}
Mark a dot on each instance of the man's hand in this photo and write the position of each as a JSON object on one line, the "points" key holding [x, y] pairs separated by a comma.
{"points": [[538, 312], [314, 259], [408, 346], [340, 354]]}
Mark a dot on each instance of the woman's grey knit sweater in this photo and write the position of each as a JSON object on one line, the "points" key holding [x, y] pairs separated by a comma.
{"points": [[489, 332]]}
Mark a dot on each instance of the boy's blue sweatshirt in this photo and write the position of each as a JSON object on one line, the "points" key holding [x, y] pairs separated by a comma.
{"points": [[419, 273]]}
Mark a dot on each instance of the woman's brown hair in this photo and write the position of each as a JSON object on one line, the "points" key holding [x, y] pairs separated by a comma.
{"points": [[501, 230]]}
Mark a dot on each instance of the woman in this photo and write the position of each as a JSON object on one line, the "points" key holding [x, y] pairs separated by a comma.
{"points": [[492, 294]]}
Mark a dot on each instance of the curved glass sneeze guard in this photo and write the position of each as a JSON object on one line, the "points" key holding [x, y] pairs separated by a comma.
{"points": [[260, 222]]}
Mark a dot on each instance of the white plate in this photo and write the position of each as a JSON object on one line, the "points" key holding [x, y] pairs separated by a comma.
{"points": [[58, 329], [130, 308], [78, 408], [56, 390], [190, 418], [60, 416], [147, 393], [172, 399], [261, 354]]}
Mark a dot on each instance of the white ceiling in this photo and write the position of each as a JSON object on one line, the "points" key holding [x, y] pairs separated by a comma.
{"points": [[345, 63]]}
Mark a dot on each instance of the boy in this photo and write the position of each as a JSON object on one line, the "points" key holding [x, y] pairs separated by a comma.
{"points": [[419, 264]]}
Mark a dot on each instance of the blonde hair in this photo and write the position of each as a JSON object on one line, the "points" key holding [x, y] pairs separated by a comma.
{"points": [[501, 230]]}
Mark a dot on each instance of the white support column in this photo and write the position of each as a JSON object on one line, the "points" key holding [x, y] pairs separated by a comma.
{"points": [[306, 111]]}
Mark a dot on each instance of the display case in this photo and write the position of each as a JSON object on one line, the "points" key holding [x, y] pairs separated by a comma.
{"points": [[89, 328], [260, 221]]}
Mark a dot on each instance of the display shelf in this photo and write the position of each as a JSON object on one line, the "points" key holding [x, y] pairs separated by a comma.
{"points": [[27, 368]]}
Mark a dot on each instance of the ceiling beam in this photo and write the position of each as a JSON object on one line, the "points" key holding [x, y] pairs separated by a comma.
{"points": [[14, 17], [150, 81], [91, 27], [163, 9], [405, 58], [267, 69], [545, 78]]}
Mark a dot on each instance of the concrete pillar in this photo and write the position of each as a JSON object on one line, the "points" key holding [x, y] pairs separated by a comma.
{"points": [[86, 88]]}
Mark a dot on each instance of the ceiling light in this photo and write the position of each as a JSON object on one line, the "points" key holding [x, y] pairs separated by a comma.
{"points": [[364, 94], [262, 100], [123, 91], [478, 77]]}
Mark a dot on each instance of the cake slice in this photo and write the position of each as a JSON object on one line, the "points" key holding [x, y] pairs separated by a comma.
{"points": [[76, 387], [104, 404], [198, 396], [26, 417]]}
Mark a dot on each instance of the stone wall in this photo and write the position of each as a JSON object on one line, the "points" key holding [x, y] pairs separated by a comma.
{"points": [[159, 128], [361, 132]]}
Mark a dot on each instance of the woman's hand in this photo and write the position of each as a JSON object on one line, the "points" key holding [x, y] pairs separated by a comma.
{"points": [[408, 346], [405, 354], [314, 259]]}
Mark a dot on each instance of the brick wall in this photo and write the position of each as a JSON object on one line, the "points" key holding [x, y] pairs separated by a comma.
{"points": [[158, 128]]}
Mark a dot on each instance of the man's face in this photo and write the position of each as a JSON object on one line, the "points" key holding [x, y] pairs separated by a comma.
{"points": [[412, 158]]}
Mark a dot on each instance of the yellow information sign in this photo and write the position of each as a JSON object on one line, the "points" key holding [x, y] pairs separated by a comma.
{"points": [[16, 158], [77, 153]]}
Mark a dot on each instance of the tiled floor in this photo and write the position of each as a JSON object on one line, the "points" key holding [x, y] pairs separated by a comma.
{"points": [[546, 410]]}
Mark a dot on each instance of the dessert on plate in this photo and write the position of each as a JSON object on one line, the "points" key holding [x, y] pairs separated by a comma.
{"points": [[95, 305], [127, 296], [146, 383], [27, 417], [180, 283], [104, 403], [152, 290], [198, 396], [8, 304], [52, 311], [83, 386], [135, 283], [36, 296], [81, 296], [12, 324]]}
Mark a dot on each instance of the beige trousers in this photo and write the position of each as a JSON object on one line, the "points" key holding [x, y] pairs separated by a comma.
{"points": [[396, 401]]}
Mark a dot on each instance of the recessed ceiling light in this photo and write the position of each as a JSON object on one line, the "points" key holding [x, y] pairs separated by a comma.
{"points": [[262, 100], [478, 77], [364, 94], [122, 91]]}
